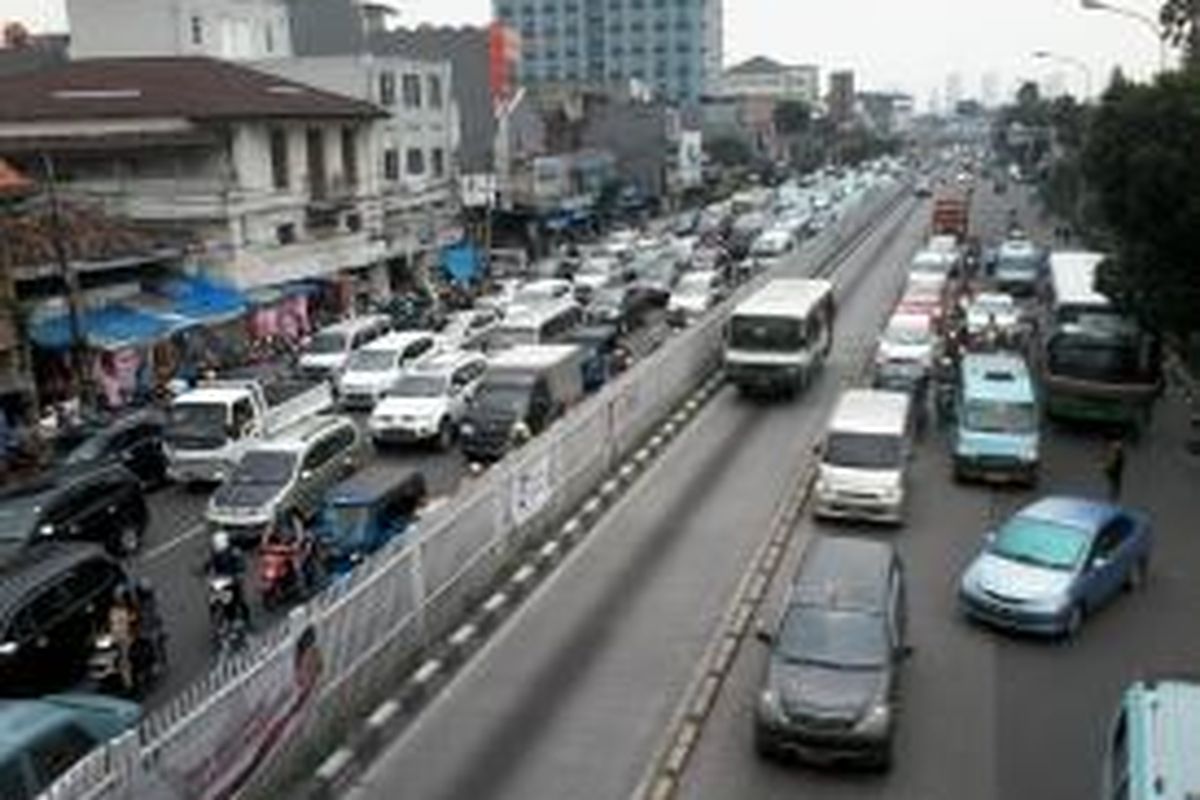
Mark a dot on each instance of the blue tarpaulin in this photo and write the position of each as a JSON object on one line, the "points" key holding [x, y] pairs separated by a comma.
{"points": [[108, 328], [461, 263], [201, 300]]}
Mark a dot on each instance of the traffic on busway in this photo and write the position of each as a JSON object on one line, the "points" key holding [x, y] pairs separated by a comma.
{"points": [[288, 450]]}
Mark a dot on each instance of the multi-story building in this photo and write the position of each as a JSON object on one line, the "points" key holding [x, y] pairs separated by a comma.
{"points": [[229, 29], [765, 77], [841, 96], [270, 176], [674, 46]]}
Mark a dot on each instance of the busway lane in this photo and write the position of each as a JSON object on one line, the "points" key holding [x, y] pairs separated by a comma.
{"points": [[570, 698]]}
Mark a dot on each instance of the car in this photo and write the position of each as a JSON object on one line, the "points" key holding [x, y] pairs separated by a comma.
{"points": [[102, 504], [469, 328], [627, 307], [597, 272], [925, 296], [53, 600], [1054, 562], [693, 296], [285, 475], [429, 402], [542, 292], [372, 369], [133, 440], [996, 311], [40, 739], [832, 679], [905, 355], [326, 353]]}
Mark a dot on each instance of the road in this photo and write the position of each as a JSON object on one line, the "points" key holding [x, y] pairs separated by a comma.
{"points": [[985, 715], [571, 696]]}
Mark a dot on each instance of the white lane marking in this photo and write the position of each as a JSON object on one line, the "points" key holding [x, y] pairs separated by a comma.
{"points": [[166, 547]]}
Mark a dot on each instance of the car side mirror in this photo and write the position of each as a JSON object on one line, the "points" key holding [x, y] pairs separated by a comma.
{"points": [[9, 649]]}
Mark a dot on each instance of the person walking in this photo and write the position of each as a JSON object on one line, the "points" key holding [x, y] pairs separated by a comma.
{"points": [[1114, 468]]}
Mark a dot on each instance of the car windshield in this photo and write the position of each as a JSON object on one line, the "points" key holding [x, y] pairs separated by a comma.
{"points": [[596, 266], [419, 386], [326, 343], [993, 416], [832, 638], [1040, 542], [908, 332], [503, 397], [769, 246], [766, 333], [862, 450], [18, 516], [694, 285], [992, 304], [198, 425], [1110, 359], [349, 521], [372, 361], [264, 467]]}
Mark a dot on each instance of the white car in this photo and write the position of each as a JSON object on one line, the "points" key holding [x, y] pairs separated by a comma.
{"points": [[772, 246], [371, 371], [694, 295], [469, 329], [542, 292], [430, 401], [597, 272], [993, 309], [906, 350]]}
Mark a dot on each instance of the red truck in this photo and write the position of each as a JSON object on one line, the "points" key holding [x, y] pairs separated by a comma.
{"points": [[950, 213]]}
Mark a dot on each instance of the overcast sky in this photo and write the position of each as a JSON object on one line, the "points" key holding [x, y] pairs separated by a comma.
{"points": [[911, 45]]}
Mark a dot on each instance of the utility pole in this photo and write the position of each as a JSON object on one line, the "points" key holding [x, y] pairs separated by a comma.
{"points": [[70, 279]]}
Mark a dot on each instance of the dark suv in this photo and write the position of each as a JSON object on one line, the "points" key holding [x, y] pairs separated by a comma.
{"points": [[829, 694], [101, 504], [53, 599], [134, 441]]}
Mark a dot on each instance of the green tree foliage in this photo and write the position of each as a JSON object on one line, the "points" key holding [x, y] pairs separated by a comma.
{"points": [[1140, 159], [730, 151]]}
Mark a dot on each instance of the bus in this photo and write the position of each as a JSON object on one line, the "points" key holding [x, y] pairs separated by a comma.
{"points": [[779, 336], [1098, 365], [1153, 743]]}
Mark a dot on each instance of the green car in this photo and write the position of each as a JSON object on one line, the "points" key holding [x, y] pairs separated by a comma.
{"points": [[42, 739]]}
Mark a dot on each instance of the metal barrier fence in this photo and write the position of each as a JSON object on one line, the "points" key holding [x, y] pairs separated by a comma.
{"points": [[270, 712]]}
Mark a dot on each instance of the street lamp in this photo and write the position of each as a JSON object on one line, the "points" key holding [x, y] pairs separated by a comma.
{"points": [[1074, 62], [1144, 19]]}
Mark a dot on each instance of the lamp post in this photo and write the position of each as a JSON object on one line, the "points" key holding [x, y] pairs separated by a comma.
{"points": [[1079, 64], [1143, 19]]}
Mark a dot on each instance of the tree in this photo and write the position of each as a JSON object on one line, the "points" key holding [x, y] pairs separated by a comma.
{"points": [[792, 118], [730, 151], [1181, 27], [1140, 161]]}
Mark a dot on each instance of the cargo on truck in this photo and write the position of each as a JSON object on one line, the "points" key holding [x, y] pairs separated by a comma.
{"points": [[951, 213], [209, 427]]}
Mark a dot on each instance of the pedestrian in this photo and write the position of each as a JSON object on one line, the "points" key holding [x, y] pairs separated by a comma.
{"points": [[1114, 468]]}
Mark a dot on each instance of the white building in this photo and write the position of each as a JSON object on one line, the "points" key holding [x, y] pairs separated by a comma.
{"points": [[270, 175], [229, 29], [764, 77]]}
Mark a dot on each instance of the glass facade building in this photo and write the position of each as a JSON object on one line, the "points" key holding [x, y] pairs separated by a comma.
{"points": [[672, 46]]}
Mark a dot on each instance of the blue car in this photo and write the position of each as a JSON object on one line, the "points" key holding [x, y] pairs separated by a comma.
{"points": [[1055, 562]]}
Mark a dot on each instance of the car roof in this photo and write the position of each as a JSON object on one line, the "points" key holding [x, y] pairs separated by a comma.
{"points": [[1163, 716], [1003, 377], [373, 482], [295, 437], [397, 340], [445, 362], [870, 411], [844, 572], [23, 720], [63, 477], [34, 565], [1076, 512]]}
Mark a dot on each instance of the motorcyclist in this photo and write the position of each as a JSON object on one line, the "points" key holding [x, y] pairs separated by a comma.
{"points": [[226, 561], [293, 535], [123, 623]]}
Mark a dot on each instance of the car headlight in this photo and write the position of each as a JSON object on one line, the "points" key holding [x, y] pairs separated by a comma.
{"points": [[466, 429], [876, 721], [1050, 604], [768, 705], [892, 495], [520, 430]]}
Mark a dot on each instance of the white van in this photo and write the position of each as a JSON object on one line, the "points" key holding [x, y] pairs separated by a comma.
{"points": [[372, 370], [864, 458]]}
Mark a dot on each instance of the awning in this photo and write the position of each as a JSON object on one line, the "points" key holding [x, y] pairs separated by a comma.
{"points": [[107, 328], [203, 301]]}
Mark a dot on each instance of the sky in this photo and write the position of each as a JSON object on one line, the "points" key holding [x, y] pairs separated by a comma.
{"points": [[906, 45]]}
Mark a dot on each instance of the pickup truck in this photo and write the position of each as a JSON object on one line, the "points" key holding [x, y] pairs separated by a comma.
{"points": [[211, 426]]}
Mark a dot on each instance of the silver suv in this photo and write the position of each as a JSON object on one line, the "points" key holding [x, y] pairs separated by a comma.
{"points": [[286, 474]]}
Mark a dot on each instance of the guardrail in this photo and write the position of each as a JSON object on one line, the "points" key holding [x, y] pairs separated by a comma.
{"points": [[269, 713]]}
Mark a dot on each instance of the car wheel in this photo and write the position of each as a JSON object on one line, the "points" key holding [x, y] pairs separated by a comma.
{"points": [[129, 538], [1136, 579], [445, 436], [1074, 622]]}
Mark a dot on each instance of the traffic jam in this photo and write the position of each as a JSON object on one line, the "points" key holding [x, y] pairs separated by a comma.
{"points": [[291, 451]]}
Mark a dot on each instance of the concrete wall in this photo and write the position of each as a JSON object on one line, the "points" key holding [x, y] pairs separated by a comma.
{"points": [[233, 29]]}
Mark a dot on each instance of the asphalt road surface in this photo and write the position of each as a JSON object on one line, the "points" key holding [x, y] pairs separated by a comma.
{"points": [[985, 715], [571, 696]]}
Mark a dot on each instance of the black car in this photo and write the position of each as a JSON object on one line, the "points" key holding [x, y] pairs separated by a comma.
{"points": [[101, 504], [134, 441], [829, 694], [626, 307], [53, 599]]}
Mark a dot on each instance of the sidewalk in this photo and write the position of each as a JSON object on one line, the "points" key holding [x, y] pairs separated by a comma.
{"points": [[1161, 475]]}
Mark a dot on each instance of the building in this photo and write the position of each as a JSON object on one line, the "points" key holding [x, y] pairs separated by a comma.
{"points": [[268, 175], [229, 29], [27, 52], [765, 77], [675, 47], [887, 113], [841, 96]]}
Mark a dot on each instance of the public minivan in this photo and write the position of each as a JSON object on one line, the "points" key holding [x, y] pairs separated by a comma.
{"points": [[1153, 743], [863, 470], [549, 323], [996, 420]]}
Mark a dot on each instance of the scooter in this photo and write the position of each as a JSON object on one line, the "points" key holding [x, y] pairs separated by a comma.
{"points": [[286, 570], [228, 616]]}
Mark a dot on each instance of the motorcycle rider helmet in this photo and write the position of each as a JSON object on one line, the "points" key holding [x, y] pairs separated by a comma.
{"points": [[220, 541]]}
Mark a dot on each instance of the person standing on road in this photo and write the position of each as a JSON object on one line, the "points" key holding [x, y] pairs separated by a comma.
{"points": [[1114, 468]]}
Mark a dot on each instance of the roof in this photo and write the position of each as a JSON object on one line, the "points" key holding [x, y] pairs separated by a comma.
{"points": [[1163, 715], [445, 361], [786, 297], [533, 356], [190, 87], [1073, 276], [36, 564], [397, 340], [1076, 512], [845, 571], [989, 369], [296, 435], [374, 481], [870, 411], [757, 66]]}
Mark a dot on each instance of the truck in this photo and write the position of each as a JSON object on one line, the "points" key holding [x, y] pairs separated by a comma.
{"points": [[524, 390], [779, 336], [209, 427], [950, 215]]}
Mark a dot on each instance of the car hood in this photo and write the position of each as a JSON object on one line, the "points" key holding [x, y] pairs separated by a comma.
{"points": [[421, 407], [860, 480], [1022, 446], [332, 361], [917, 353], [592, 280], [1013, 580], [245, 495], [367, 380], [818, 691], [689, 302], [978, 320]]}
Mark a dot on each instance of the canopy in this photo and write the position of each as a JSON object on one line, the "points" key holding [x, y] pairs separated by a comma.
{"points": [[203, 301], [110, 327]]}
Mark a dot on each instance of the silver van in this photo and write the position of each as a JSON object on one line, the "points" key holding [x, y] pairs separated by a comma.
{"points": [[284, 475]]}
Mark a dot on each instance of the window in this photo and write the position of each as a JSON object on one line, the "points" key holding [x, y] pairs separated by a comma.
{"points": [[414, 161], [438, 162], [349, 157], [387, 88], [280, 178], [391, 164], [286, 233], [91, 579], [435, 91], [56, 751], [197, 30], [410, 88], [417, 349]]}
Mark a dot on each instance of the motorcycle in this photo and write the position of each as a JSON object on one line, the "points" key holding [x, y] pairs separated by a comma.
{"points": [[227, 613], [286, 570]]}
